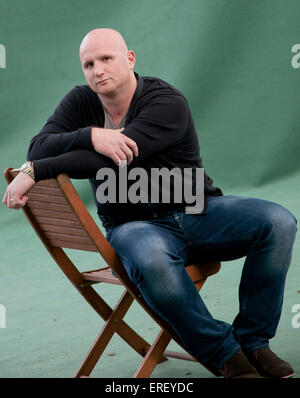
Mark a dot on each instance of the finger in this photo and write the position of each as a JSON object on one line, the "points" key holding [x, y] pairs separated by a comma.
{"points": [[123, 163], [132, 145], [24, 200], [21, 202], [10, 202], [128, 153], [4, 198], [125, 153], [115, 158], [19, 206], [16, 205], [130, 142], [119, 158]]}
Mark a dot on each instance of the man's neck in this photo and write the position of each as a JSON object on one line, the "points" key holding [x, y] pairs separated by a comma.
{"points": [[118, 104]]}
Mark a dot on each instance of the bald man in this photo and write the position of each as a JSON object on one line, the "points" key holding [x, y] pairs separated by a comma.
{"points": [[123, 119]]}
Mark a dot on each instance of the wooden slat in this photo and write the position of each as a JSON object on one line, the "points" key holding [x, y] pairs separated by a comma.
{"points": [[69, 238], [48, 183], [101, 275], [59, 222], [54, 214], [34, 204], [72, 245], [56, 191], [64, 230], [47, 198]]}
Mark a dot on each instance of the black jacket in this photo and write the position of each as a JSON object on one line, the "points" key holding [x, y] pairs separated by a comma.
{"points": [[158, 120]]}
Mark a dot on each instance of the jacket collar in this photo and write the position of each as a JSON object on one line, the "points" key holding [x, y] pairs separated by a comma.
{"points": [[138, 90]]}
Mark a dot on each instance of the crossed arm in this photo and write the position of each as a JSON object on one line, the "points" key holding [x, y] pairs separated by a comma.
{"points": [[110, 143], [62, 147]]}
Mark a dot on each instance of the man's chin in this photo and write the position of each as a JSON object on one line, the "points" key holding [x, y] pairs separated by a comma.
{"points": [[105, 89]]}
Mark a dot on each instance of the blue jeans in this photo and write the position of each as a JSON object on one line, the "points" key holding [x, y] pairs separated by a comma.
{"points": [[155, 253]]}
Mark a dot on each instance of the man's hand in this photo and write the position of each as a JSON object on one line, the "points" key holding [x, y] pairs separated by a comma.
{"points": [[114, 144], [15, 195]]}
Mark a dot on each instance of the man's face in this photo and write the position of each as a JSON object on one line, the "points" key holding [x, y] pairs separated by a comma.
{"points": [[106, 64]]}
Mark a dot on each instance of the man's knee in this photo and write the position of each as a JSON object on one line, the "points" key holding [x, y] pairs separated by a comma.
{"points": [[144, 253], [279, 222]]}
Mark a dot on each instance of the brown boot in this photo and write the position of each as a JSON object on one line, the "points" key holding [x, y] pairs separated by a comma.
{"points": [[269, 365], [238, 367]]}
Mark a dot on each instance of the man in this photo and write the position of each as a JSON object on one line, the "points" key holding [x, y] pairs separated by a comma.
{"points": [[120, 119]]}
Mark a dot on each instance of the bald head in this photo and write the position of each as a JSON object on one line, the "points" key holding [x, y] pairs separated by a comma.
{"points": [[107, 63], [103, 37]]}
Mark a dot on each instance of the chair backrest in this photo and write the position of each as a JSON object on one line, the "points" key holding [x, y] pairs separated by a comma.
{"points": [[61, 220], [57, 221]]}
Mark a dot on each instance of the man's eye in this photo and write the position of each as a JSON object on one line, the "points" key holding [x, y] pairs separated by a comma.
{"points": [[107, 58]]}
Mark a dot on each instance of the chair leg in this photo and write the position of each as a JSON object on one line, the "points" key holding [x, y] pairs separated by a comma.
{"points": [[98, 304], [110, 327], [104, 310], [154, 355]]}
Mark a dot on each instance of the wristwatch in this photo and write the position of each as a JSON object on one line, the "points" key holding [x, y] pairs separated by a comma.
{"points": [[27, 168]]}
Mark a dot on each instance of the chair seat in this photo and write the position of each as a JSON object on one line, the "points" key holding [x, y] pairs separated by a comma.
{"points": [[100, 275]]}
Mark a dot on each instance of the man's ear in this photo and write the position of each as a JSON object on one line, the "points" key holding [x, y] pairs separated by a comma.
{"points": [[131, 58]]}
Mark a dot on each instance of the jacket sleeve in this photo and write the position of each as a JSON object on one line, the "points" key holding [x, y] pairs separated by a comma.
{"points": [[161, 123], [62, 132], [79, 164]]}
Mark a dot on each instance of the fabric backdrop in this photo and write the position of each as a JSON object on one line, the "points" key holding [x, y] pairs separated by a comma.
{"points": [[231, 59]]}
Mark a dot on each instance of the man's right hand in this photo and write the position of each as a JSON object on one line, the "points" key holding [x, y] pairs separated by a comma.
{"points": [[114, 144]]}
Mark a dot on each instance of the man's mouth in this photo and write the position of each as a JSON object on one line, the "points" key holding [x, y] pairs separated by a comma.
{"points": [[101, 81]]}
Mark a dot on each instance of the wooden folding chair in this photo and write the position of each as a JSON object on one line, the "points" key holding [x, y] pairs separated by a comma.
{"points": [[61, 220]]}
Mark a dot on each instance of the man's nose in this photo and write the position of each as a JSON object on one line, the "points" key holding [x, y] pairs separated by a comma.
{"points": [[98, 69]]}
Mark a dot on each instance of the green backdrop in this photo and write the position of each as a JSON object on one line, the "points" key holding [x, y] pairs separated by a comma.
{"points": [[232, 59]]}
